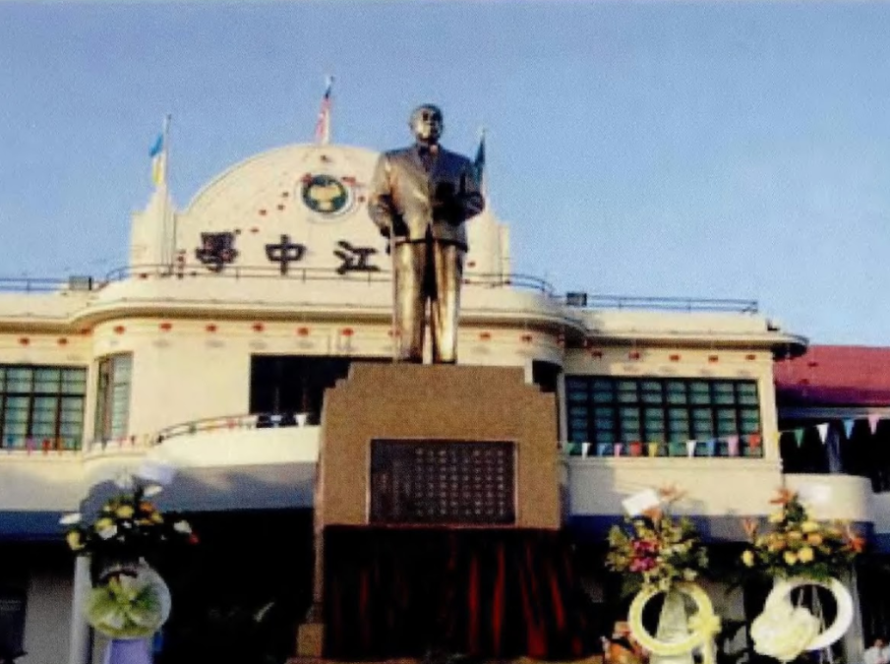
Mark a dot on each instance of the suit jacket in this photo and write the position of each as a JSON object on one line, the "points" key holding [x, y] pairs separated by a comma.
{"points": [[413, 202]]}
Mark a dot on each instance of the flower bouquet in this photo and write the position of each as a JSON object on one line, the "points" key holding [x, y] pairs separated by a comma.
{"points": [[653, 549], [799, 546], [799, 551], [128, 528], [660, 554]]}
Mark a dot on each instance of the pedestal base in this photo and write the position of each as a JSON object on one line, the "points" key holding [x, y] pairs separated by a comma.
{"points": [[128, 651]]}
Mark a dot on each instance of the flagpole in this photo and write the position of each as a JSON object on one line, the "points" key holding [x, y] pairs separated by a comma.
{"points": [[171, 244]]}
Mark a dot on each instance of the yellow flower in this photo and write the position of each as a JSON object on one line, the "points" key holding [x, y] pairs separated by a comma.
{"points": [[776, 517], [806, 554], [125, 511], [102, 524], [73, 539], [809, 526], [157, 518], [795, 535], [815, 539], [748, 558], [790, 557]]}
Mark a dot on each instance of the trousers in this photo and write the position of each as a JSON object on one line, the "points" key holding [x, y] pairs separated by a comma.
{"points": [[427, 272]]}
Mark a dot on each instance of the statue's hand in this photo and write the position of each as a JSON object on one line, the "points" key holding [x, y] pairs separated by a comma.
{"points": [[444, 195], [399, 229]]}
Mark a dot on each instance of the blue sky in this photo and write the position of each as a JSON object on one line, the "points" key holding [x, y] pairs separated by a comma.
{"points": [[713, 149]]}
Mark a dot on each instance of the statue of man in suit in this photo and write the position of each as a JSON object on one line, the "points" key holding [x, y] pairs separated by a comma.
{"points": [[420, 198]]}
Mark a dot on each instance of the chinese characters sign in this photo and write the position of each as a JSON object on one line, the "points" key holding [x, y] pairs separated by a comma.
{"points": [[442, 482]]}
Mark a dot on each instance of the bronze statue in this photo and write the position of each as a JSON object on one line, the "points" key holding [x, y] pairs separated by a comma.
{"points": [[420, 198]]}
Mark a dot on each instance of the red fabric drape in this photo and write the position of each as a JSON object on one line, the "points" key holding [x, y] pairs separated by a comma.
{"points": [[487, 593]]}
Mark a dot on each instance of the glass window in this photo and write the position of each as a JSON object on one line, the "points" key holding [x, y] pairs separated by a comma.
{"points": [[41, 405], [113, 397], [653, 409]]}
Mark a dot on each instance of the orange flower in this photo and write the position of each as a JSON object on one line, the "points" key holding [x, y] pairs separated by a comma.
{"points": [[854, 541], [784, 497], [671, 493]]}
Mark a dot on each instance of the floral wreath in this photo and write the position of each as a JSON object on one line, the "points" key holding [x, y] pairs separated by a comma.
{"points": [[128, 527], [655, 550], [799, 546]]}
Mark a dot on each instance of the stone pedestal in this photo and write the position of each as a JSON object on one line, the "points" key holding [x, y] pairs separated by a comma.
{"points": [[416, 403]]}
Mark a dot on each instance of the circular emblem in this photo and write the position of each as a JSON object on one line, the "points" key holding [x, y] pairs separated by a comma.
{"points": [[326, 194]]}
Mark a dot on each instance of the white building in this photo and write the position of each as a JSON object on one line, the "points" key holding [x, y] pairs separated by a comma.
{"points": [[212, 349]]}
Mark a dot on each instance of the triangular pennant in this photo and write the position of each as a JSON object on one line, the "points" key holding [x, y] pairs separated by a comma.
{"points": [[732, 446], [848, 427], [873, 420], [823, 431], [798, 437], [690, 447]]}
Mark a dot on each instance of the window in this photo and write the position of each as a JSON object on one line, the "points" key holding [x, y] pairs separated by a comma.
{"points": [[41, 406], [113, 397], [626, 415]]}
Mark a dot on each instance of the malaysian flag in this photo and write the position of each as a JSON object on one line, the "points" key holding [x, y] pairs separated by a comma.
{"points": [[323, 126]]}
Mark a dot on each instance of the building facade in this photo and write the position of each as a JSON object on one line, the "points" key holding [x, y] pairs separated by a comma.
{"points": [[210, 352]]}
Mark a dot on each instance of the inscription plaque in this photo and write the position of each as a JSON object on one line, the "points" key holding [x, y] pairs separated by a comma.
{"points": [[435, 482]]}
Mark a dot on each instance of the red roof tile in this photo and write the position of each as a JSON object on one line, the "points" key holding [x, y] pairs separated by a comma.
{"points": [[835, 375]]}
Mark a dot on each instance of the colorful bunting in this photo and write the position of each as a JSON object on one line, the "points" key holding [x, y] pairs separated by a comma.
{"points": [[823, 431], [848, 427], [873, 420], [798, 436]]}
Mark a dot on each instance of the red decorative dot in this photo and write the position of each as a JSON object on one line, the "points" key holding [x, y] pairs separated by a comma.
{"points": [[85, 332], [63, 341], [303, 331], [165, 326], [598, 354], [674, 358], [281, 206], [751, 356], [347, 332], [254, 230], [527, 338], [211, 327], [143, 275], [485, 336], [803, 381], [262, 212], [634, 355], [119, 329], [713, 358], [258, 327], [471, 263], [24, 341]]}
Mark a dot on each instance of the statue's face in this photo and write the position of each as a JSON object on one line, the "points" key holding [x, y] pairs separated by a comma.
{"points": [[427, 125]]}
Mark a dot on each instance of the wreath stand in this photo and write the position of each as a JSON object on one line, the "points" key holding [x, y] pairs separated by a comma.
{"points": [[678, 636], [784, 631]]}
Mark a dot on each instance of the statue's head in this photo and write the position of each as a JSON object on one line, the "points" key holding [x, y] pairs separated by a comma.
{"points": [[426, 124]]}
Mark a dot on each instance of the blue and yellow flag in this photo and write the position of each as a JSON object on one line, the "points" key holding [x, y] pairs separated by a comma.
{"points": [[158, 154]]}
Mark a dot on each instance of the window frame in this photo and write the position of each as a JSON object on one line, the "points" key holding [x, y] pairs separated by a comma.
{"points": [[114, 389], [667, 411], [45, 407]]}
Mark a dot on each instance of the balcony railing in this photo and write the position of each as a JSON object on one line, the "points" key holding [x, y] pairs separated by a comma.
{"points": [[688, 304], [578, 299], [235, 423]]}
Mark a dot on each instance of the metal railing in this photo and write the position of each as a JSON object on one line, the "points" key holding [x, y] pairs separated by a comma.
{"points": [[634, 303], [580, 300], [235, 423]]}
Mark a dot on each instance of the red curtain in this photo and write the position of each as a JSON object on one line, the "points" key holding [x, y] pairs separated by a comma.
{"points": [[486, 593]]}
